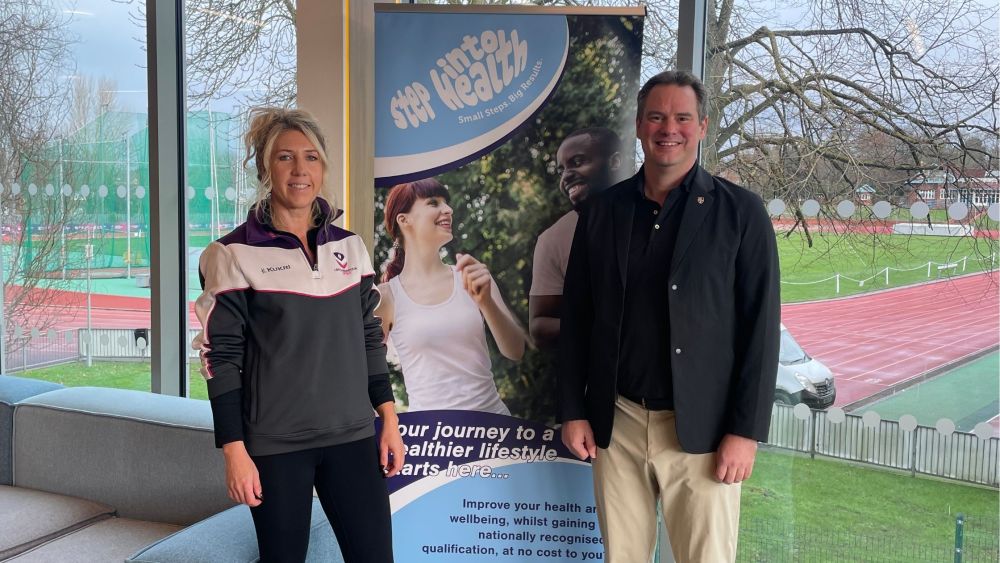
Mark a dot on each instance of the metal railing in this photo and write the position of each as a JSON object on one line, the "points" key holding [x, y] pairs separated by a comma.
{"points": [[40, 349], [959, 455], [776, 541]]}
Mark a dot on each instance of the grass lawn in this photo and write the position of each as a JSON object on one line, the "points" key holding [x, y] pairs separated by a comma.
{"points": [[799, 509], [123, 375], [794, 508], [861, 257]]}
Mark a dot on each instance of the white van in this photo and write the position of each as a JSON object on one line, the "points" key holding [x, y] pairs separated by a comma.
{"points": [[802, 378]]}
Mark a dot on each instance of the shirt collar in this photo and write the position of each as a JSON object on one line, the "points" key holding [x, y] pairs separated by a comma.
{"points": [[261, 230], [685, 183]]}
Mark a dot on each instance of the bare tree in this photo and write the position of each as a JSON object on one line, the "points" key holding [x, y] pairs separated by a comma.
{"points": [[918, 74], [808, 98], [242, 49], [813, 99], [34, 73], [47, 140]]}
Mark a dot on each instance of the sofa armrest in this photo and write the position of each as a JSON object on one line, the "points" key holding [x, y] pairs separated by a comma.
{"points": [[13, 390]]}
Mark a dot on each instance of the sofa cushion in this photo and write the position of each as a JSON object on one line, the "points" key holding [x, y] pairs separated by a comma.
{"points": [[152, 457], [31, 518], [108, 540], [12, 390], [229, 537]]}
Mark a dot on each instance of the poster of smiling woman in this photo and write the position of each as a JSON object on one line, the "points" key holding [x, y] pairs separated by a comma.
{"points": [[491, 125]]}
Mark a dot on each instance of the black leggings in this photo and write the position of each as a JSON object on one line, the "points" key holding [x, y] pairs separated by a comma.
{"points": [[351, 489]]}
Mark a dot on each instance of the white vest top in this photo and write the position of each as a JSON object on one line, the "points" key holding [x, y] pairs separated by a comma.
{"points": [[443, 352]]}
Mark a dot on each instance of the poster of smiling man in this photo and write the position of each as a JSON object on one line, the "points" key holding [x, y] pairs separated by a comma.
{"points": [[491, 125]]}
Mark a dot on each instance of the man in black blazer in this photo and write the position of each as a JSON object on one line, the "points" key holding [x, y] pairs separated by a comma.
{"points": [[669, 341]]}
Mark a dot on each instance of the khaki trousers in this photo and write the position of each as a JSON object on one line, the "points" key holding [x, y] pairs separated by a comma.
{"points": [[644, 463]]}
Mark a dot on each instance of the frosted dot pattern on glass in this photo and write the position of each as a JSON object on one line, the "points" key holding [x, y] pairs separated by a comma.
{"points": [[810, 208], [846, 208], [983, 431], [871, 419], [836, 415], [882, 209], [945, 426], [908, 423], [958, 211], [776, 207]]}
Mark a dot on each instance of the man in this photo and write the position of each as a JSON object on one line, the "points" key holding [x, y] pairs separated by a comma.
{"points": [[588, 161], [669, 340]]}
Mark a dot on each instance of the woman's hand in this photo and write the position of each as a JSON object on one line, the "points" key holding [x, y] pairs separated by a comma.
{"points": [[242, 479], [476, 279], [391, 451]]}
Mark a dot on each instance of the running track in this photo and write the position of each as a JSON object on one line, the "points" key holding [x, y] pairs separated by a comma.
{"points": [[871, 342], [876, 341]]}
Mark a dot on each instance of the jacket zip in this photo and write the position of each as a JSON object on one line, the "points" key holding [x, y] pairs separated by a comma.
{"points": [[316, 274]]}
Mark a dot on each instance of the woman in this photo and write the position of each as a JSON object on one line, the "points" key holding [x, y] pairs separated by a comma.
{"points": [[294, 358], [434, 313]]}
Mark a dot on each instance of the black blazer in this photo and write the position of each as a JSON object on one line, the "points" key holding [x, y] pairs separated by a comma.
{"points": [[724, 313]]}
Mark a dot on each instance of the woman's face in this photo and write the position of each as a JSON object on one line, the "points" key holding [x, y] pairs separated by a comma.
{"points": [[428, 221], [296, 172]]}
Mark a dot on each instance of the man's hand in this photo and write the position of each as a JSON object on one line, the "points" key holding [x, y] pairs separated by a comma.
{"points": [[579, 438], [242, 479], [734, 460]]}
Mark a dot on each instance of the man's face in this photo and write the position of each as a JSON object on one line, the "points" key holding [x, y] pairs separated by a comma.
{"points": [[669, 129], [583, 168]]}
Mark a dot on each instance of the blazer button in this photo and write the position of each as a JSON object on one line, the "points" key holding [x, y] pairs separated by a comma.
{"points": [[674, 287], [677, 351]]}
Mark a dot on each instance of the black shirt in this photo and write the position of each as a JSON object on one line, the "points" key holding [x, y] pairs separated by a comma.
{"points": [[644, 373]]}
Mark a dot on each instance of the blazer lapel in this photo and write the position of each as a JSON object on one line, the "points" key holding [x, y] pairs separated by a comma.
{"points": [[624, 212], [696, 209]]}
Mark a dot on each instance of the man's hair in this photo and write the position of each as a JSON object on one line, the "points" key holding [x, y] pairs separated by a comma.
{"points": [[606, 139], [676, 78]]}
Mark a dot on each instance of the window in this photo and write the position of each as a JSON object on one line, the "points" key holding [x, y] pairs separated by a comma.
{"points": [[74, 206], [254, 66], [785, 126]]}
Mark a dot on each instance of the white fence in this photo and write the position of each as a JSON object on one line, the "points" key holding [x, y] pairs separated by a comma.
{"points": [[957, 455], [123, 343]]}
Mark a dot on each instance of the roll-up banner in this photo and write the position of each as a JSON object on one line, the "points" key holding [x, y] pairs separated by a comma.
{"points": [[491, 125]]}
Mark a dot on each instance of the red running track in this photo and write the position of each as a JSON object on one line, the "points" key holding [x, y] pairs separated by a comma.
{"points": [[106, 311], [871, 342], [876, 341]]}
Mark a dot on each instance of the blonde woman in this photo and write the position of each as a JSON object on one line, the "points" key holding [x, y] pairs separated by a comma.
{"points": [[293, 356]]}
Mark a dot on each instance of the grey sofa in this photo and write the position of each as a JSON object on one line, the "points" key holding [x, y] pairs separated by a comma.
{"points": [[95, 474]]}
